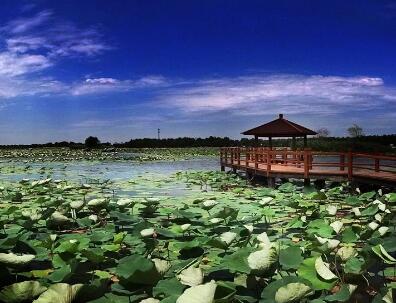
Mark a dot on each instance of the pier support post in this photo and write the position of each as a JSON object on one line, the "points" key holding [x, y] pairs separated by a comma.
{"points": [[307, 181], [222, 168], [271, 182], [234, 170], [320, 183]]}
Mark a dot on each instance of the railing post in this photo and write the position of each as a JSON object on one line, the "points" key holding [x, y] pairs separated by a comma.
{"points": [[256, 157], [306, 164], [376, 164], [297, 156], [350, 165], [342, 162], [268, 162], [239, 156], [247, 157], [232, 155]]}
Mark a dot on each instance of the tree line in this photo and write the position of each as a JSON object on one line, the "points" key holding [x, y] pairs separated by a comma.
{"points": [[382, 143]]}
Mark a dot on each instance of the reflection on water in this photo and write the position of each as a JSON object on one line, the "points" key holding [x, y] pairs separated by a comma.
{"points": [[88, 171]]}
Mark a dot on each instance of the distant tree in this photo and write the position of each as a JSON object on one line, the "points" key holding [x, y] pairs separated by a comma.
{"points": [[92, 142], [355, 131], [323, 132]]}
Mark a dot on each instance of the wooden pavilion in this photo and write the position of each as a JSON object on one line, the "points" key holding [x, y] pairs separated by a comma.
{"points": [[280, 128], [268, 163]]}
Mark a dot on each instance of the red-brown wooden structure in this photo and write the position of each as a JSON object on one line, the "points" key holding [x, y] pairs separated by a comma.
{"points": [[280, 128], [308, 164], [305, 164]]}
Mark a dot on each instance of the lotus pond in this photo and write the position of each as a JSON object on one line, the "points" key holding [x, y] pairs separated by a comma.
{"points": [[117, 231]]}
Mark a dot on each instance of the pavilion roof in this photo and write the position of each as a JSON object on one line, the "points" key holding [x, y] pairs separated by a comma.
{"points": [[280, 127]]}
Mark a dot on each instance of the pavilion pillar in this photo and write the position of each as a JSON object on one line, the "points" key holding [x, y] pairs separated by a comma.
{"points": [[256, 143], [294, 143], [305, 141], [270, 142]]}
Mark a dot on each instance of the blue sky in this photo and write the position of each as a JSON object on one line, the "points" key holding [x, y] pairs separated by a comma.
{"points": [[121, 69]]}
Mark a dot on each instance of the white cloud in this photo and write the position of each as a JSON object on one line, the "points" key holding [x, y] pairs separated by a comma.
{"points": [[14, 65], [276, 93], [24, 24], [33, 44], [10, 88], [106, 85], [102, 80]]}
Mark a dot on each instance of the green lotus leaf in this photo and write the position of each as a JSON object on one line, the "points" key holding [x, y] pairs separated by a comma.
{"points": [[323, 269], [370, 211], [353, 266], [346, 252], [66, 293], [320, 227], [209, 204], [59, 219], [290, 257], [238, 261], [342, 295], [284, 289], [150, 300], [125, 202], [367, 196], [287, 187], [337, 225], [13, 260], [331, 243], [265, 200], [98, 203], [380, 251], [261, 261], [391, 197], [70, 246], [264, 240], [119, 237], [21, 292], [61, 292], [331, 209], [162, 266], [292, 292], [138, 270], [353, 200], [77, 204], [228, 237], [308, 271], [148, 232], [383, 230], [199, 294], [32, 214], [348, 235], [168, 287], [191, 276]]}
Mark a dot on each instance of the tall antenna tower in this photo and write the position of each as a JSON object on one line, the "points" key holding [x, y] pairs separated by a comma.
{"points": [[159, 133]]}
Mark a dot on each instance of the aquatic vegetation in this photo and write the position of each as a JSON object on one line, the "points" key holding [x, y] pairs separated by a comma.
{"points": [[218, 239], [52, 154]]}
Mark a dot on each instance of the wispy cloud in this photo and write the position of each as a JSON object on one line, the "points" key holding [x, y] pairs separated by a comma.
{"points": [[24, 24], [34, 43], [106, 85], [51, 36], [253, 95], [14, 65]]}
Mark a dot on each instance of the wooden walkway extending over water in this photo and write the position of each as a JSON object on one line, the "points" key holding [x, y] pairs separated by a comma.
{"points": [[308, 164]]}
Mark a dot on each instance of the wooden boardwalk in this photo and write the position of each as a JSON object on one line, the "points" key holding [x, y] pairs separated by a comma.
{"points": [[308, 164]]}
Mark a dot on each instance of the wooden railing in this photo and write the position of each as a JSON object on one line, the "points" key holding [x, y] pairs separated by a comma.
{"points": [[310, 162]]}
